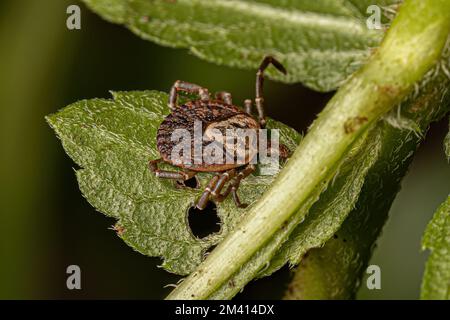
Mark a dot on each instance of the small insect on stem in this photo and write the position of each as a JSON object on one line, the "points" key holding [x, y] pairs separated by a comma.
{"points": [[218, 116]]}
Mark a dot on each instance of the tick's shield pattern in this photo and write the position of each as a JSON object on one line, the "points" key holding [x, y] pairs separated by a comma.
{"points": [[222, 143]]}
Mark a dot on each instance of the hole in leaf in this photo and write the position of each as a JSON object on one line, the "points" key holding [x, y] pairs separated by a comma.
{"points": [[191, 183], [204, 222]]}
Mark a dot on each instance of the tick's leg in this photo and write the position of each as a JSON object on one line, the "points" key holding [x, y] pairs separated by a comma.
{"points": [[248, 106], [204, 198], [225, 97], [234, 186], [237, 182], [223, 179], [217, 182], [174, 175], [259, 101], [222, 196], [186, 87], [283, 150]]}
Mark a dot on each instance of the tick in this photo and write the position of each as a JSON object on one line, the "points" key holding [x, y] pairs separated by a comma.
{"points": [[218, 113]]}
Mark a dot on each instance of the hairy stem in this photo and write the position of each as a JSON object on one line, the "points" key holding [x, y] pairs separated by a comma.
{"points": [[334, 270], [409, 50]]}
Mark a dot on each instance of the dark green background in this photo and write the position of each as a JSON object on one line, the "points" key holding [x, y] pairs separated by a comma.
{"points": [[47, 225]]}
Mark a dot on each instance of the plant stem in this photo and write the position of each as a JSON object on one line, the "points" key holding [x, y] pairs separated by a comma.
{"points": [[410, 48], [334, 270]]}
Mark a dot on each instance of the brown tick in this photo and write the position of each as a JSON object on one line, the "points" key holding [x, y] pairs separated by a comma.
{"points": [[218, 113]]}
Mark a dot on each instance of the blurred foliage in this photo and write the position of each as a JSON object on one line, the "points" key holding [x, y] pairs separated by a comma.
{"points": [[447, 143]]}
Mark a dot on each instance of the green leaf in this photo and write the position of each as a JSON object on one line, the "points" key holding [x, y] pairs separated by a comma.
{"points": [[436, 279], [112, 141], [447, 144], [321, 42]]}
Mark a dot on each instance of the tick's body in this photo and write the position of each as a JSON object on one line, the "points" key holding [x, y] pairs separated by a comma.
{"points": [[218, 114], [212, 114]]}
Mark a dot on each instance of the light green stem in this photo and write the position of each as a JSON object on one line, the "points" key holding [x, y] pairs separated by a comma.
{"points": [[410, 48]]}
